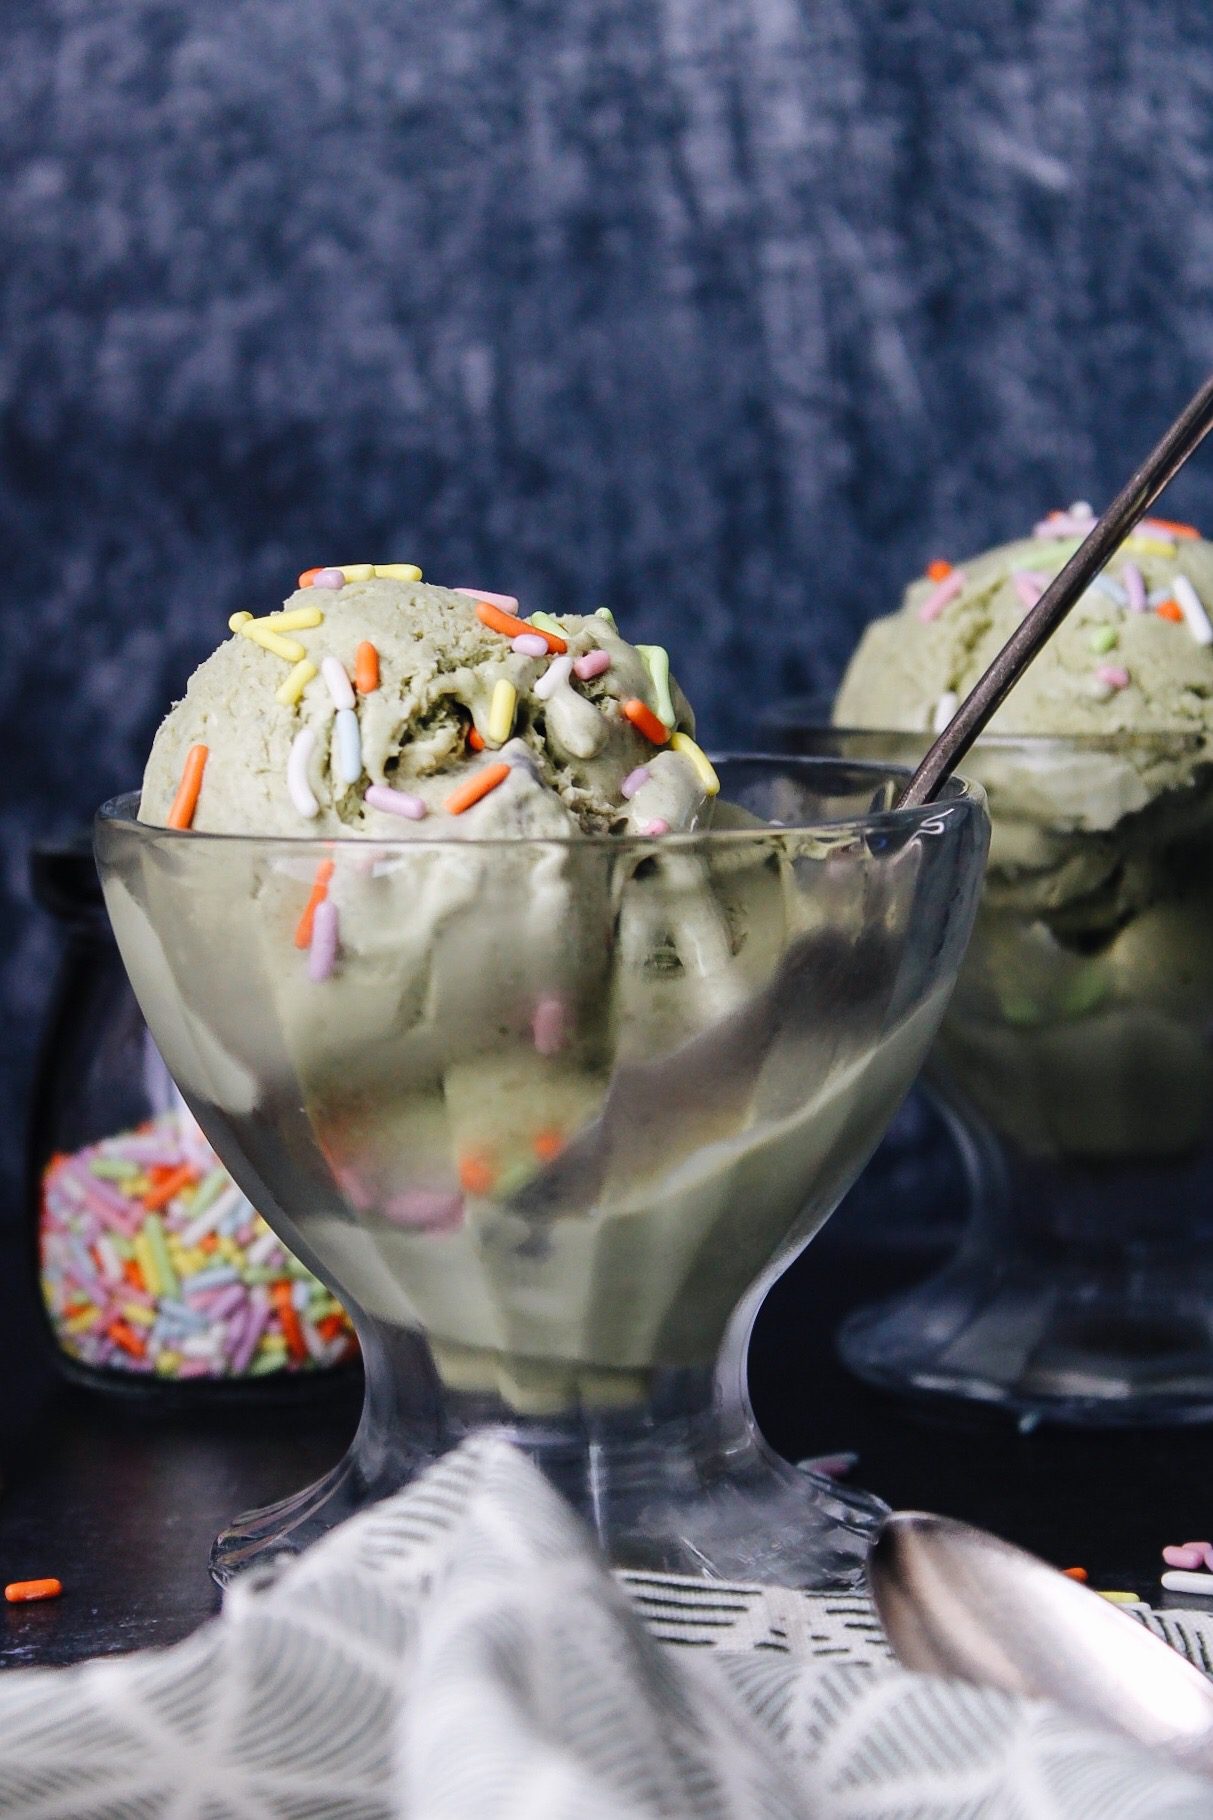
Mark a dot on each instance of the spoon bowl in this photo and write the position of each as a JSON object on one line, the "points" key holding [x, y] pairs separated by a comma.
{"points": [[959, 1602]]}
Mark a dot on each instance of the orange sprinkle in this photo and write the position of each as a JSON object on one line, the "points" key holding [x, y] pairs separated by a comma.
{"points": [[475, 740], [25, 1592], [134, 1275], [1174, 527], [1170, 609], [168, 1186], [127, 1338], [645, 721], [308, 577], [1076, 1573], [208, 1243], [547, 1144], [366, 668], [476, 787], [292, 1332], [181, 814], [476, 1172], [510, 626], [330, 1326], [320, 890], [939, 570]]}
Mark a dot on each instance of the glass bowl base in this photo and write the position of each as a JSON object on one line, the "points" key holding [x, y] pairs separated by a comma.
{"points": [[683, 1484], [1046, 1346]]}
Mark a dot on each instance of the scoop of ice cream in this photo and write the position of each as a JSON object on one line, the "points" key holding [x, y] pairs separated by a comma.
{"points": [[1080, 1021], [455, 685]]}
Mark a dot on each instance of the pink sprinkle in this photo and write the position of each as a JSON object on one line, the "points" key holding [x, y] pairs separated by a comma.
{"points": [[430, 1209], [1135, 587], [529, 644], [591, 665], [635, 780], [396, 802], [657, 826], [1188, 1555], [507, 602], [1064, 524], [1114, 675], [548, 1025], [322, 955], [940, 595], [329, 578], [1029, 586]]}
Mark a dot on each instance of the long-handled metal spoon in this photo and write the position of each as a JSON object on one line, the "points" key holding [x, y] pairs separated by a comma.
{"points": [[1131, 503], [957, 1601]]}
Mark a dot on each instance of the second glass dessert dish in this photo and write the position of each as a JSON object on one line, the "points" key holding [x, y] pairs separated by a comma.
{"points": [[554, 1114]]}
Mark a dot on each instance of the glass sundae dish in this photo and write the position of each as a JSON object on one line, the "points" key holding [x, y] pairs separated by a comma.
{"points": [[547, 1079], [1076, 1060]]}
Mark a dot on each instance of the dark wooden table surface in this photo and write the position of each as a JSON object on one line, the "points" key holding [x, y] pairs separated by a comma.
{"points": [[121, 1502]]}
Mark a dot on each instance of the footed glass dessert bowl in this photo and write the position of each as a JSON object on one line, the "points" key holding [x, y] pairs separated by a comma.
{"points": [[1075, 1066], [555, 1115]]}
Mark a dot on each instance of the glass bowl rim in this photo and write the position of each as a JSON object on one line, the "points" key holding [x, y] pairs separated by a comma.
{"points": [[811, 714], [962, 793]]}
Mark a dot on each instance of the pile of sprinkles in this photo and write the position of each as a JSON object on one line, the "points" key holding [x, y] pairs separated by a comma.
{"points": [[1178, 603], [539, 637], [154, 1262]]}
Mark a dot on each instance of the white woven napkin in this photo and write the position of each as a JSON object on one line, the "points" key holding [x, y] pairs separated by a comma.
{"points": [[460, 1652]]}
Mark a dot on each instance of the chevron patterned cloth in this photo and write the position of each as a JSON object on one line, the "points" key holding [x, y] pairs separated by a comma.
{"points": [[460, 1652]]}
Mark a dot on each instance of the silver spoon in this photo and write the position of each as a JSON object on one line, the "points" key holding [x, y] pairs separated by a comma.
{"points": [[957, 1601], [1131, 503]]}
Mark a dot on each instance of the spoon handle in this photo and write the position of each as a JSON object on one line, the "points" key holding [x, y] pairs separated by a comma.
{"points": [[1134, 499]]}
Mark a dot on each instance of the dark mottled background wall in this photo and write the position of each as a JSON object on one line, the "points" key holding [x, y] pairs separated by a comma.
{"points": [[725, 312]]}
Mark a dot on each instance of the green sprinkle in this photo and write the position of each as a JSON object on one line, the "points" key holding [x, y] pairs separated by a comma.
{"points": [[209, 1189], [261, 1273], [657, 663], [1085, 991], [110, 1169], [153, 1232], [1104, 638], [511, 1180], [266, 1362], [546, 623], [605, 613], [1021, 1011]]}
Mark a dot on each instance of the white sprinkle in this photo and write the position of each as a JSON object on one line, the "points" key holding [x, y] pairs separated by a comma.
{"points": [[529, 644], [557, 672], [396, 802], [1156, 596], [1189, 603], [1110, 589], [349, 746], [333, 671], [945, 709], [1180, 1581], [507, 602], [302, 747]]}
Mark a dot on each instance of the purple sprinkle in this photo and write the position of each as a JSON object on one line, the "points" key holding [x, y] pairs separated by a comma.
{"points": [[429, 1209], [940, 595], [635, 780], [591, 665], [1065, 524], [1029, 586], [529, 644], [655, 827], [322, 955], [1134, 586], [548, 1027], [329, 578], [1114, 675], [396, 802]]}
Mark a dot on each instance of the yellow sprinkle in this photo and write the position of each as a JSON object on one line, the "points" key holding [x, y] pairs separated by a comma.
{"points": [[501, 712], [80, 1323], [228, 1248], [288, 692], [357, 571], [136, 1312], [148, 1263], [1119, 1598], [296, 619], [397, 571], [271, 1342], [168, 1361], [1147, 546], [288, 648], [682, 742], [237, 620]]}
